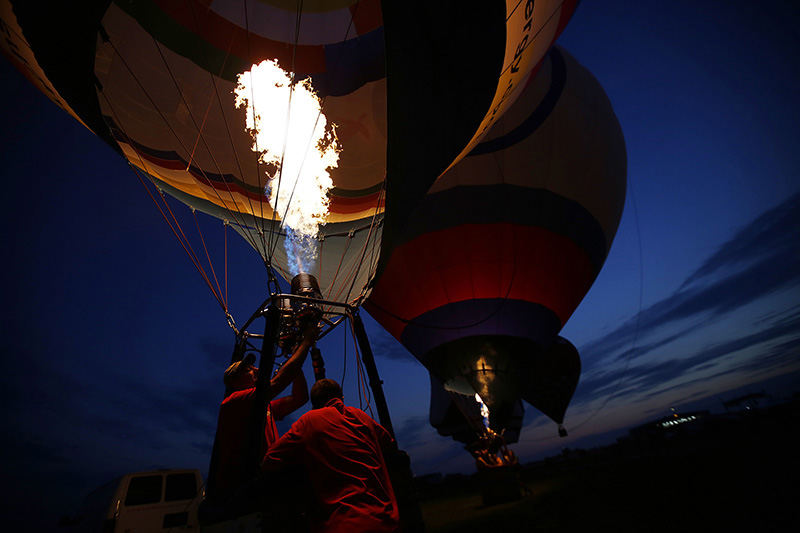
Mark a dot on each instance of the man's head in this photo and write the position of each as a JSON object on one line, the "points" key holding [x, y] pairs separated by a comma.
{"points": [[324, 391], [240, 375]]}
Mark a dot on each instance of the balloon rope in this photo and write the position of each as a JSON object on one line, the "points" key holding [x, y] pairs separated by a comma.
{"points": [[225, 255], [332, 68], [199, 131], [349, 277], [336, 274], [321, 254], [208, 258], [366, 242], [194, 256], [172, 224], [362, 380], [223, 115], [184, 242], [299, 170], [344, 357], [354, 271], [260, 230], [270, 244], [177, 138]]}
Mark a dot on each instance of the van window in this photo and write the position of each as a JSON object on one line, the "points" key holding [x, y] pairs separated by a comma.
{"points": [[144, 489], [180, 487]]}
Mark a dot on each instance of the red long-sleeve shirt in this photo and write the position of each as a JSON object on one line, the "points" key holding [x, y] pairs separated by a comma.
{"points": [[235, 417], [341, 449]]}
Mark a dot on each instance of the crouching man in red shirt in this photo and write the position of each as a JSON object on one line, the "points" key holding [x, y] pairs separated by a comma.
{"points": [[342, 450]]}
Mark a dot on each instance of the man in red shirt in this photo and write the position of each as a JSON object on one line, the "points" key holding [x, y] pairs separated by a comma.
{"points": [[342, 450], [236, 416]]}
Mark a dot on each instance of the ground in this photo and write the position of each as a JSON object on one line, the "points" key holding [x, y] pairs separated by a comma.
{"points": [[739, 473]]}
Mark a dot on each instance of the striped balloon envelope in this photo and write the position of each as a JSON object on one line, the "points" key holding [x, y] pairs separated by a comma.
{"points": [[504, 246], [406, 88]]}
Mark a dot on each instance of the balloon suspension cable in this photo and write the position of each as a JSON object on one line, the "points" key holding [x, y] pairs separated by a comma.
{"points": [[375, 381], [273, 287]]}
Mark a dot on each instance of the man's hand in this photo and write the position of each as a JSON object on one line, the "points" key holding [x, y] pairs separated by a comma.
{"points": [[310, 332]]}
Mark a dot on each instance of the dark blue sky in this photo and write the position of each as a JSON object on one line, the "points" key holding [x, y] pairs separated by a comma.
{"points": [[113, 348]]}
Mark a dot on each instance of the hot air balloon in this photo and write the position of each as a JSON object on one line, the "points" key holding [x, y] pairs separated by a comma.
{"points": [[156, 80], [501, 251], [398, 92]]}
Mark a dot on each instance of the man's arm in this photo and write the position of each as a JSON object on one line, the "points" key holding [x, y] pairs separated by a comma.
{"points": [[290, 368], [283, 406], [286, 451]]}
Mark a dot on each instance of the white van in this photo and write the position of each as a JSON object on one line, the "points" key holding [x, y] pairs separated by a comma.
{"points": [[161, 500]]}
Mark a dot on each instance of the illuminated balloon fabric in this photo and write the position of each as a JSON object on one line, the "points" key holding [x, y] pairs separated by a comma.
{"points": [[443, 70], [551, 377], [459, 416], [505, 245], [153, 113]]}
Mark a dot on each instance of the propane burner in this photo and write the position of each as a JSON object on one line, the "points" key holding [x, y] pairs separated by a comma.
{"points": [[296, 314], [305, 284]]}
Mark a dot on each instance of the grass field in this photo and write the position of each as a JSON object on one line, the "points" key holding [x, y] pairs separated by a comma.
{"points": [[739, 474]]}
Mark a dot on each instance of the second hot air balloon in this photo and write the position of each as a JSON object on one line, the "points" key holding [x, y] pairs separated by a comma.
{"points": [[501, 251]]}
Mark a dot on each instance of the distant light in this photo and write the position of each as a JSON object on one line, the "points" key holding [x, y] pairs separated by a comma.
{"points": [[682, 420]]}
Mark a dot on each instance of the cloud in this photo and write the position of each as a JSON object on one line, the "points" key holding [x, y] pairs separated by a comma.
{"points": [[760, 259], [413, 430], [771, 234], [65, 417], [778, 347]]}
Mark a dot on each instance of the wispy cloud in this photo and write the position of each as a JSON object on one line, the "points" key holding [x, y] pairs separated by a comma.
{"points": [[773, 234], [648, 377], [761, 259], [637, 359]]}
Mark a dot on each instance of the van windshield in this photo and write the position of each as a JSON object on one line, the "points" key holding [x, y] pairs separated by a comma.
{"points": [[144, 489], [181, 486]]}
